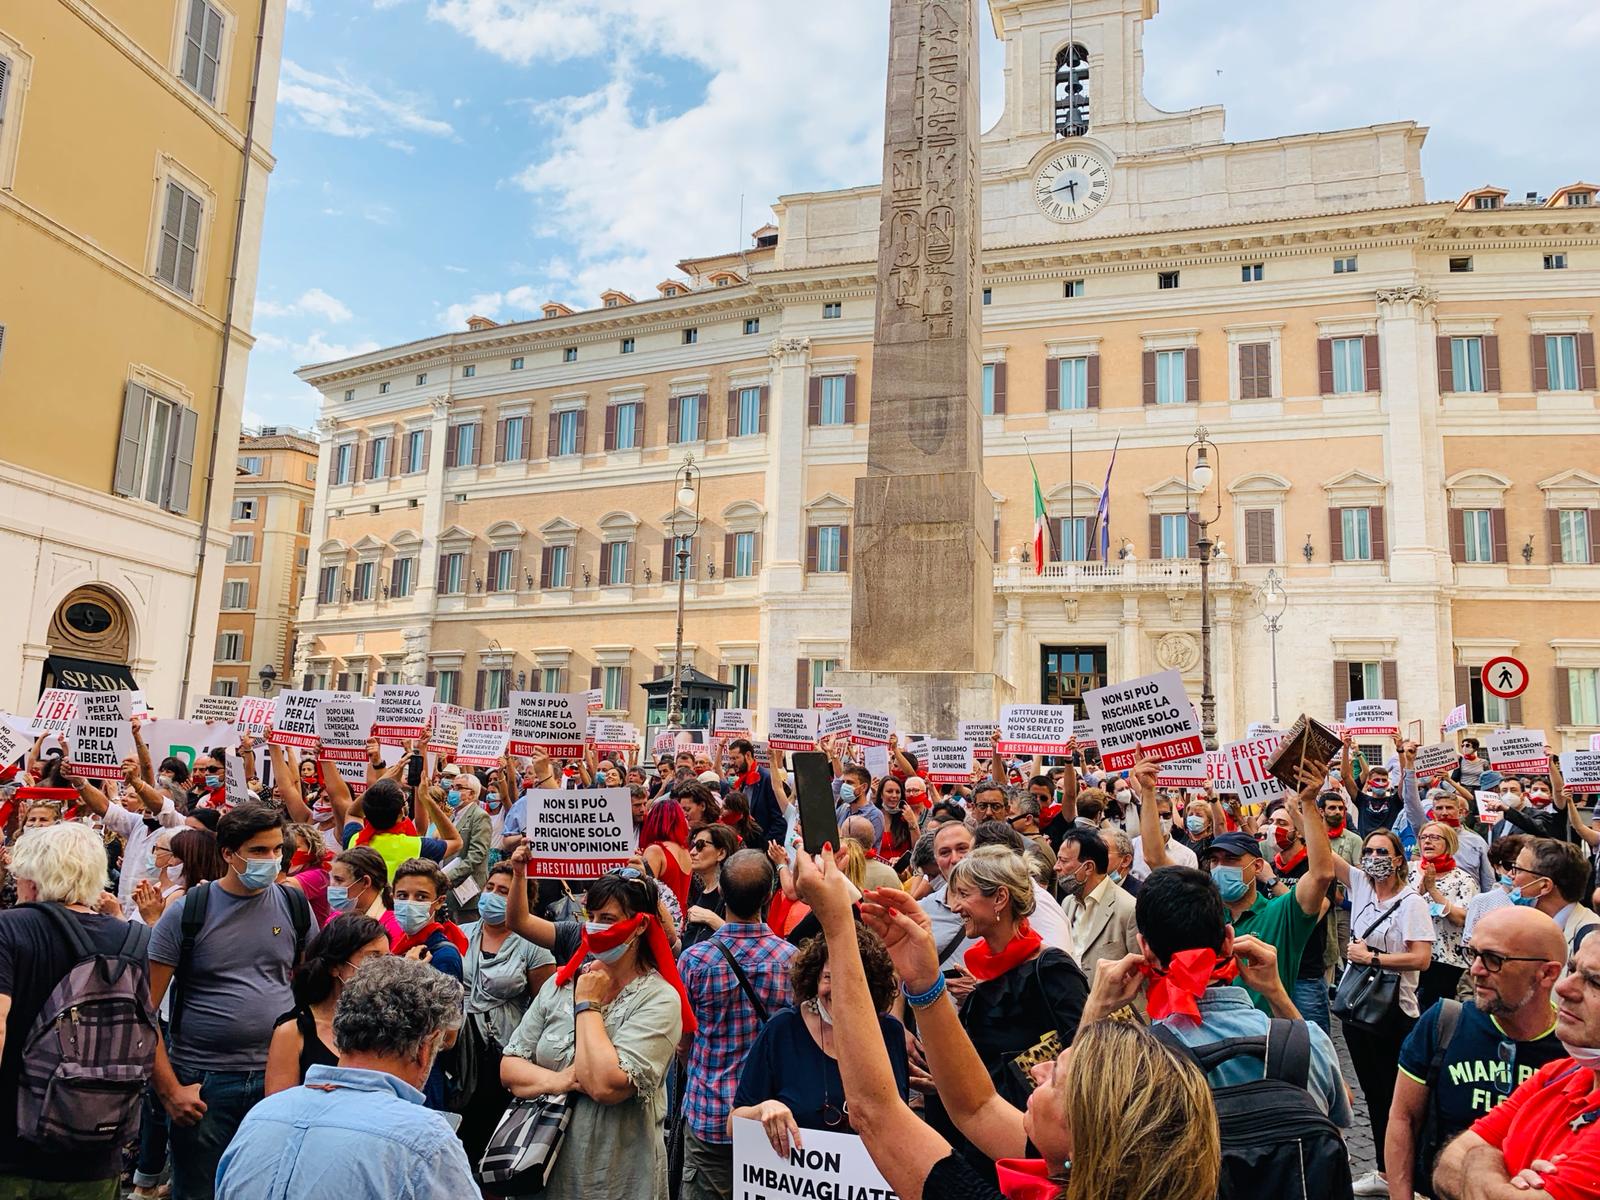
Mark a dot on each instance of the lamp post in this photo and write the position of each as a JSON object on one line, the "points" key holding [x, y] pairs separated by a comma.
{"points": [[1200, 462], [685, 524], [1274, 601], [268, 676]]}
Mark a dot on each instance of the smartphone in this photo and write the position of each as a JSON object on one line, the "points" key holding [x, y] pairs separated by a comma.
{"points": [[414, 770], [813, 779]]}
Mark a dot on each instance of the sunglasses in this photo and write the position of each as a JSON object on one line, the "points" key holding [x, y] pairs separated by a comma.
{"points": [[700, 844]]}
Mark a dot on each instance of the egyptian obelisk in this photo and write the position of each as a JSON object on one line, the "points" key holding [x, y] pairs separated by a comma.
{"points": [[921, 621]]}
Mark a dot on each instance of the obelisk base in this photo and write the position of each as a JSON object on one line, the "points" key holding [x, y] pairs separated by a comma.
{"points": [[930, 702]]}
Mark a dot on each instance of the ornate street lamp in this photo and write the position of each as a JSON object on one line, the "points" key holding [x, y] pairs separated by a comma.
{"points": [[1200, 462], [1274, 601], [268, 676], [685, 525]]}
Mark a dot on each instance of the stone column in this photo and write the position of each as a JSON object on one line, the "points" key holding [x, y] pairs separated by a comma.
{"points": [[783, 556], [433, 508]]}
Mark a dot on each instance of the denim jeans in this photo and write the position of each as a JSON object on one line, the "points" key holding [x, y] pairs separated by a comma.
{"points": [[1310, 996], [197, 1149]]}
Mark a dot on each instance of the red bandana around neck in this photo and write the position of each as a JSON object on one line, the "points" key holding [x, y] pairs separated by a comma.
{"points": [[731, 820], [750, 778], [1336, 830], [986, 965], [1187, 975], [1288, 864], [403, 826], [1442, 864], [1026, 1179], [451, 931], [1048, 813], [613, 936]]}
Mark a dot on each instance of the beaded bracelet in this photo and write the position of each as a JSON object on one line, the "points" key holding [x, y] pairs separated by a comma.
{"points": [[923, 999]]}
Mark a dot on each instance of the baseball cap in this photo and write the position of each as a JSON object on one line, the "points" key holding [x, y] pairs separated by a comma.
{"points": [[450, 771], [1233, 843], [709, 777]]}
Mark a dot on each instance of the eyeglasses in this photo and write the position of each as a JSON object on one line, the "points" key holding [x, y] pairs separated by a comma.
{"points": [[1493, 960], [700, 844], [1506, 1055], [988, 806]]}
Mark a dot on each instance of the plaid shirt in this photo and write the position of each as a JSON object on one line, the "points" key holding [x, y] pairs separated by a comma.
{"points": [[728, 1023]]}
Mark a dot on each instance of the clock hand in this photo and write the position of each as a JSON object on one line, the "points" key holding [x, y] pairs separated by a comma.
{"points": [[1073, 188], [1062, 183]]}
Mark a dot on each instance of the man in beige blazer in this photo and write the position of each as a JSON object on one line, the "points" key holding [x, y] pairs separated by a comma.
{"points": [[1099, 913]]}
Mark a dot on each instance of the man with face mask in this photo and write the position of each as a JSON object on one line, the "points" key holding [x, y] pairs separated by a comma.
{"points": [[1378, 803], [855, 799], [1552, 876], [1535, 812], [360, 1128], [1099, 913], [227, 952], [208, 783]]}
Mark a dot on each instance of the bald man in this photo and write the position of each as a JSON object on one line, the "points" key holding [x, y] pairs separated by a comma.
{"points": [[859, 830], [1491, 1045]]}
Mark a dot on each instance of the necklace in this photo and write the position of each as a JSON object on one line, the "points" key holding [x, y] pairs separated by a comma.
{"points": [[834, 1116]]}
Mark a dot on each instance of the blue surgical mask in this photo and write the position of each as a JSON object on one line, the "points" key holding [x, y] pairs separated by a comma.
{"points": [[339, 898], [453, 797], [492, 908], [1195, 824], [1230, 882], [1116, 877], [213, 781], [1506, 881], [606, 956], [412, 914], [847, 792], [259, 872]]}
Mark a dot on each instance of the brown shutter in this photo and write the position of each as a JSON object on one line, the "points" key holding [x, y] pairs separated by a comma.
{"points": [[669, 560], [1325, 366], [427, 448], [1553, 534], [480, 688], [844, 548], [1336, 535], [544, 568], [1586, 371], [755, 554], [694, 557], [999, 388], [1380, 543], [1563, 697], [811, 549], [394, 456], [1155, 535], [1052, 385], [1594, 535], [553, 440], [1446, 365], [727, 555], [1191, 370], [814, 401], [1091, 538], [594, 677], [850, 399], [1092, 382], [1464, 686], [1149, 376], [431, 679], [500, 440], [766, 393], [625, 688], [1260, 535], [452, 445], [370, 458], [439, 579], [1458, 535], [1541, 365], [733, 413], [802, 683], [750, 685], [1514, 713], [1369, 352], [580, 441], [1389, 670], [703, 403], [477, 443], [1497, 535], [672, 420], [394, 576], [605, 564], [611, 427], [1491, 363], [1341, 687]]}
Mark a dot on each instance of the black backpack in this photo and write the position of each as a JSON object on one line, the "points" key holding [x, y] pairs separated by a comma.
{"points": [[195, 902], [1296, 1151]]}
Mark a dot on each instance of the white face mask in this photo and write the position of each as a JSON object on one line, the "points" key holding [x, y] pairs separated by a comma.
{"points": [[822, 1011]]}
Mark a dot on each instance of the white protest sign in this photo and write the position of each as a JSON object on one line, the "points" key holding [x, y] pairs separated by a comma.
{"points": [[876, 760], [980, 734], [402, 712], [1435, 762], [448, 722], [665, 741], [1372, 718], [294, 718], [1457, 720], [183, 740], [1182, 772], [949, 761], [792, 728], [738, 721], [235, 780], [579, 834], [1217, 770], [255, 713], [1148, 717], [547, 722], [57, 708], [12, 744], [827, 697], [1594, 741], [594, 700], [102, 734], [1490, 804], [832, 722], [832, 1165], [869, 728], [215, 708], [1035, 728], [609, 736], [480, 748], [1247, 763], [1260, 729], [1518, 752], [138, 706], [494, 718], [1580, 771], [342, 727]]}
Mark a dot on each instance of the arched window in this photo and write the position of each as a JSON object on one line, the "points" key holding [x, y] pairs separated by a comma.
{"points": [[1072, 91]]}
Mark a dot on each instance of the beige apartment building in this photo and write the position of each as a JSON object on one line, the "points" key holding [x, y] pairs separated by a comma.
{"points": [[1401, 393], [135, 145], [263, 576]]}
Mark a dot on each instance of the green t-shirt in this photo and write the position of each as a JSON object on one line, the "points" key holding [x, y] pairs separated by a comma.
{"points": [[1285, 926]]}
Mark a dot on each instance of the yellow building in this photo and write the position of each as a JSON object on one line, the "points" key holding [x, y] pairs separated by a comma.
{"points": [[1401, 394], [264, 574], [128, 134]]}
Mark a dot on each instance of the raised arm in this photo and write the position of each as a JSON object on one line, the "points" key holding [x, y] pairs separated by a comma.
{"points": [[286, 783], [438, 816], [1150, 839], [519, 920], [1311, 889], [146, 772], [1346, 771], [344, 807], [1410, 793]]}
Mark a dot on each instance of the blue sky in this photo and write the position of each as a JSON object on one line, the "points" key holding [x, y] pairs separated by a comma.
{"points": [[443, 157]]}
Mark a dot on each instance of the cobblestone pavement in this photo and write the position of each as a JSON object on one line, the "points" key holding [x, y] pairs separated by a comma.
{"points": [[1363, 1154]]}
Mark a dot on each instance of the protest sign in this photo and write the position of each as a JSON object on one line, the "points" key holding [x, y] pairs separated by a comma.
{"points": [[1218, 773], [827, 697], [1308, 743], [578, 834], [215, 708], [739, 722], [480, 748], [137, 705], [1518, 752], [448, 722], [102, 735], [1035, 728], [876, 760], [1490, 806], [341, 728], [183, 740], [294, 718], [949, 762], [1435, 762], [763, 754], [255, 714], [792, 728], [57, 709], [1249, 762], [547, 722], [497, 719], [833, 722], [236, 780], [594, 700], [1182, 772], [1457, 720], [1372, 718], [402, 713], [664, 744], [1594, 741], [832, 1165], [869, 728], [1580, 771], [611, 737], [980, 734], [1148, 717], [12, 744], [1260, 729]]}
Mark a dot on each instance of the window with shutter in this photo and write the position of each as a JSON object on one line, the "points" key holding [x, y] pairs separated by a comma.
{"points": [[136, 404], [1260, 536], [178, 250], [202, 49], [1255, 371]]}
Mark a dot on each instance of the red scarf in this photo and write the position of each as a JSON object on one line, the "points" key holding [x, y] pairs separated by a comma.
{"points": [[1442, 864], [1336, 830], [613, 936], [986, 965], [1290, 863], [1184, 981], [749, 779], [731, 820], [1026, 1179], [402, 826], [1048, 813], [451, 931], [1453, 822]]}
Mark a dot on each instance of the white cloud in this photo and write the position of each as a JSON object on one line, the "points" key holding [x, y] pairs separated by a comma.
{"points": [[313, 302], [317, 349], [343, 107], [515, 303]]}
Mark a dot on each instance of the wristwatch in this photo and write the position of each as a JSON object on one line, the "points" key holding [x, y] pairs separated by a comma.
{"points": [[1377, 959], [583, 1006]]}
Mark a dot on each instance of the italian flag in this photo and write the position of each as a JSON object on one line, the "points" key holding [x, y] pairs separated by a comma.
{"points": [[1038, 520]]}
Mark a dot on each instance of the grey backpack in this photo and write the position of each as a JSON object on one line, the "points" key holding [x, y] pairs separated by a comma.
{"points": [[93, 1045]]}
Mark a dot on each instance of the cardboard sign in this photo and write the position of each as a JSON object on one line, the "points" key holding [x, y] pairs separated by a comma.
{"points": [[183, 740], [1309, 743], [949, 762], [494, 718], [1183, 772], [833, 722], [1218, 772], [102, 734], [294, 719], [876, 760], [1035, 728], [1518, 752], [1435, 762], [402, 712], [58, 707], [448, 723], [236, 782], [1148, 717], [255, 714], [1457, 720], [577, 834], [215, 708], [609, 736], [869, 728], [792, 728], [481, 748], [666, 741], [980, 734], [1249, 762], [594, 700], [342, 727], [12, 745], [833, 1165], [547, 722], [738, 722], [1580, 772], [827, 697], [1372, 718]]}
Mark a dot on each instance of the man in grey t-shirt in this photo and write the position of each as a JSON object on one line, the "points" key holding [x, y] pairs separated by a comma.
{"points": [[235, 985]]}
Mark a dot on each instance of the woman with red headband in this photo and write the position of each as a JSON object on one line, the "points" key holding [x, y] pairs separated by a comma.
{"points": [[604, 1028]]}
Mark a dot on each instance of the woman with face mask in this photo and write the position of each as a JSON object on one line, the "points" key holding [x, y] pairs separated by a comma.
{"points": [[358, 882], [605, 1033], [303, 1036], [417, 898], [900, 823], [308, 869], [1448, 890]]}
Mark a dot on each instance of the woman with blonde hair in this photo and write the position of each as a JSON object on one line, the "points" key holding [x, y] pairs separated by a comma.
{"points": [[1448, 889]]}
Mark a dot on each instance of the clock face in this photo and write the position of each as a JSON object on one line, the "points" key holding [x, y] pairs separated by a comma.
{"points": [[1072, 185]]}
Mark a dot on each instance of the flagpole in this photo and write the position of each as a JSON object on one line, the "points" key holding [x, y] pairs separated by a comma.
{"points": [[1072, 491]]}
